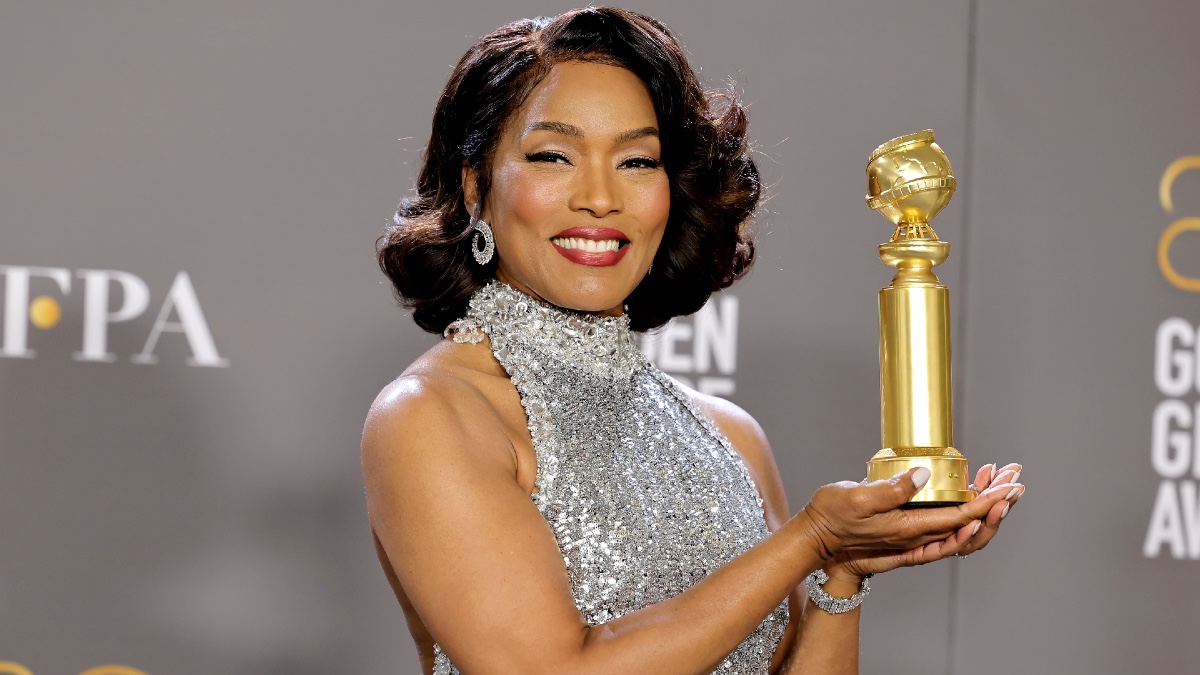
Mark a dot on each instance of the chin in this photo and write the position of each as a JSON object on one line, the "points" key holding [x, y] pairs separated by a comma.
{"points": [[590, 295]]}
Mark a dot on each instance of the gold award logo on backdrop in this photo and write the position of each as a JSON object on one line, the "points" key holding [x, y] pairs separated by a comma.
{"points": [[1174, 524], [1178, 227], [11, 668]]}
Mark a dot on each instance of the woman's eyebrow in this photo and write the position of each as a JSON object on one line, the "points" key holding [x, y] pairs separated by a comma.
{"points": [[574, 131], [634, 134], [556, 127]]}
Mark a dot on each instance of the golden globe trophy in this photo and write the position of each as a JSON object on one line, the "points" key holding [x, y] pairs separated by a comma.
{"points": [[909, 180]]}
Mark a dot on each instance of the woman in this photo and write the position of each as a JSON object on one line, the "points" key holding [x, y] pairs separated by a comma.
{"points": [[543, 499]]}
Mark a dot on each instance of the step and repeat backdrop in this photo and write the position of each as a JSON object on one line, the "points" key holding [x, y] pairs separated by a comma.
{"points": [[193, 325]]}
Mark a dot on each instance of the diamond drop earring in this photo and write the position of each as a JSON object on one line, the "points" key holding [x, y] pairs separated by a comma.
{"points": [[483, 244]]}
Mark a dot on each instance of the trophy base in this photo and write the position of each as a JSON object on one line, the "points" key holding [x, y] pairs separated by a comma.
{"points": [[949, 482]]}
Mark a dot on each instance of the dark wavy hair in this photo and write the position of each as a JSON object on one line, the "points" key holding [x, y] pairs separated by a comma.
{"points": [[715, 185]]}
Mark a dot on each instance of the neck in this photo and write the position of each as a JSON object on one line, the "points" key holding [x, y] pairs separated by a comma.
{"points": [[520, 325], [504, 277]]}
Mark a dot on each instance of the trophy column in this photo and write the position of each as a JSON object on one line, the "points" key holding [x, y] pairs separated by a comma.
{"points": [[909, 180]]}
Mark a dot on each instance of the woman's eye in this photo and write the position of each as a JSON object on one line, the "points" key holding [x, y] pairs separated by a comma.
{"points": [[547, 156], [641, 163]]}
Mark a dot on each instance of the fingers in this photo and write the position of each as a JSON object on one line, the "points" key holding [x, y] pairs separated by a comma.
{"points": [[925, 553], [957, 542], [990, 475], [991, 523], [997, 493], [849, 515], [1008, 473], [1014, 467], [943, 521], [983, 477], [935, 550], [881, 496], [915, 528], [856, 517], [885, 495], [1007, 476], [972, 536], [1000, 510]]}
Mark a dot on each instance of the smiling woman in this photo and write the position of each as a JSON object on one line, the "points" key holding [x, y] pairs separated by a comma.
{"points": [[546, 104], [579, 196], [543, 499]]}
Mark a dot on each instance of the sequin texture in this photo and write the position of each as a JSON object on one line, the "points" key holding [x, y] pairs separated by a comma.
{"points": [[644, 495]]}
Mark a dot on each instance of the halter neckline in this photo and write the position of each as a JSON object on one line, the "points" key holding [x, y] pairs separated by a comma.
{"points": [[603, 346]]}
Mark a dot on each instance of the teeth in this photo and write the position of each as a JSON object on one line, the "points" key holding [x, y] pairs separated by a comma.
{"points": [[588, 245]]}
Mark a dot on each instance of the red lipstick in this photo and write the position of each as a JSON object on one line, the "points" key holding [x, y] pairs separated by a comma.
{"points": [[603, 258]]}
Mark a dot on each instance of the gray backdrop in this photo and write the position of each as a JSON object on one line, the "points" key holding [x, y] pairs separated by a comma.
{"points": [[179, 506]]}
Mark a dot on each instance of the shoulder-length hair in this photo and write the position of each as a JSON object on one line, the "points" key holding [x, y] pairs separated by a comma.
{"points": [[715, 187]]}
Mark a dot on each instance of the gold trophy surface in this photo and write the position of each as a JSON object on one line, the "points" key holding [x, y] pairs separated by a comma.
{"points": [[909, 180]]}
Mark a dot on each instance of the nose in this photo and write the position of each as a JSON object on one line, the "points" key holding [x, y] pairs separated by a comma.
{"points": [[597, 191]]}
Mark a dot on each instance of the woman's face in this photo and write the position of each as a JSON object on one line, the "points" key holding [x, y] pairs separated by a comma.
{"points": [[579, 197]]}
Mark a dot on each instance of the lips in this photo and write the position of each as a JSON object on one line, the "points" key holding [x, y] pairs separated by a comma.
{"points": [[592, 246]]}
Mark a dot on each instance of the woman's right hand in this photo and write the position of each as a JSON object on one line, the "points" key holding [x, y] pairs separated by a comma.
{"points": [[847, 516]]}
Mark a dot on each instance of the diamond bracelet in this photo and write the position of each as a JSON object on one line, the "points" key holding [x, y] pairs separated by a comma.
{"points": [[829, 603]]}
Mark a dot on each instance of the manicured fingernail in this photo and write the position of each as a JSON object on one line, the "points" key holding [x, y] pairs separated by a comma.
{"points": [[979, 523], [1005, 511], [920, 477], [1015, 476], [1013, 492], [991, 473]]}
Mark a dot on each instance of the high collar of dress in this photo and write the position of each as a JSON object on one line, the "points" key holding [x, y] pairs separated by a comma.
{"points": [[525, 328]]}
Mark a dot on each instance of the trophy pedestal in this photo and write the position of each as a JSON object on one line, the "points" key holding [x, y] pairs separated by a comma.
{"points": [[949, 482]]}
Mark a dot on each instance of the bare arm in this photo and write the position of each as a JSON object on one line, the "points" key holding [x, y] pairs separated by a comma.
{"points": [[815, 641], [483, 570]]}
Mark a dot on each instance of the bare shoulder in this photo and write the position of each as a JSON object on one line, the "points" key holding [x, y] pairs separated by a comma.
{"points": [[738, 425], [465, 548], [750, 442], [439, 403], [433, 382]]}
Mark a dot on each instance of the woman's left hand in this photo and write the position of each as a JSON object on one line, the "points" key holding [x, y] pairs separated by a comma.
{"points": [[967, 540]]}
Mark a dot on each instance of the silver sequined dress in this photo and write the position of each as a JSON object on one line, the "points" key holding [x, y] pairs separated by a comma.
{"points": [[645, 496]]}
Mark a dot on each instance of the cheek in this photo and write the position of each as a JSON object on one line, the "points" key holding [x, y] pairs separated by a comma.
{"points": [[527, 199], [655, 206]]}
